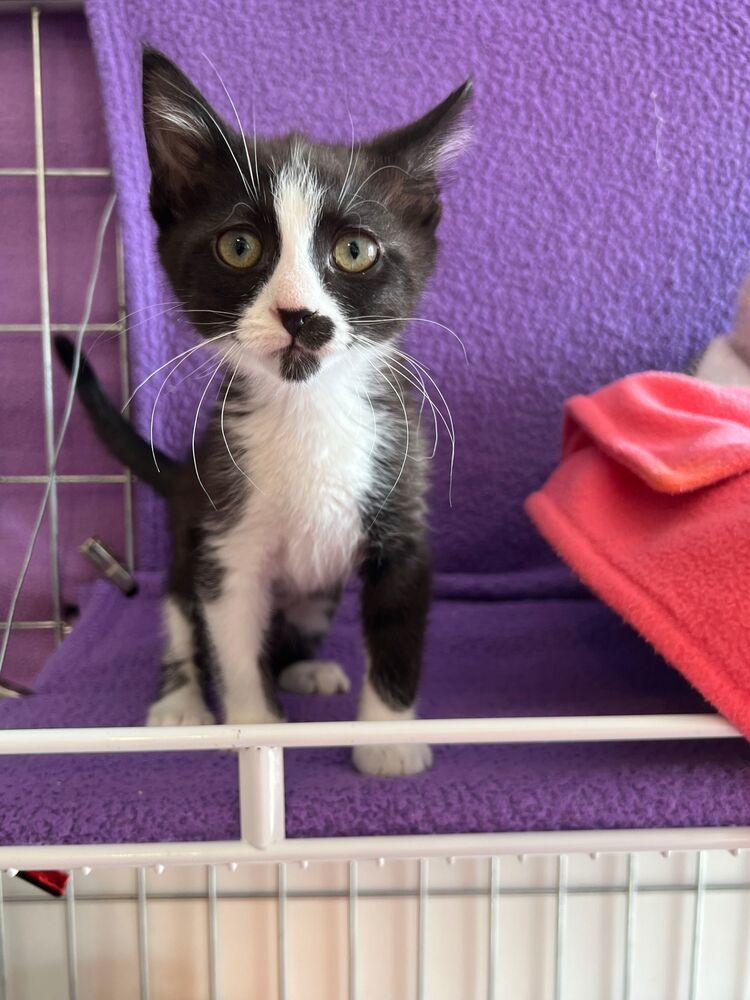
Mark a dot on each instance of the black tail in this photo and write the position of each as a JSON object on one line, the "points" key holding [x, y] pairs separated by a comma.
{"points": [[115, 433]]}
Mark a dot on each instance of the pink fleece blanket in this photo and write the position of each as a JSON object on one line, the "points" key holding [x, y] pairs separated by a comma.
{"points": [[650, 506]]}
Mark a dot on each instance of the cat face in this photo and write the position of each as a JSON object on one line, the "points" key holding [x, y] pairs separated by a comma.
{"points": [[301, 252]]}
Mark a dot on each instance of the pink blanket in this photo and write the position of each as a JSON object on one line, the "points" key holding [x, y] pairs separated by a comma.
{"points": [[650, 506]]}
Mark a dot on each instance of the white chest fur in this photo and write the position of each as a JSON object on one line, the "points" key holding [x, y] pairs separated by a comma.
{"points": [[309, 456]]}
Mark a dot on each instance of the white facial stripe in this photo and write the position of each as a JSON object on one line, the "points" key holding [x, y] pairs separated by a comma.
{"points": [[295, 282], [297, 200]]}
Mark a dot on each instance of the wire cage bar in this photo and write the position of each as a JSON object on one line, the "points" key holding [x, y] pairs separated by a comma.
{"points": [[40, 172], [424, 888], [44, 303]]}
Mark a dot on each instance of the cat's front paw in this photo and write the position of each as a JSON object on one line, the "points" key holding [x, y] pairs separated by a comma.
{"points": [[184, 707], [314, 677], [392, 761]]}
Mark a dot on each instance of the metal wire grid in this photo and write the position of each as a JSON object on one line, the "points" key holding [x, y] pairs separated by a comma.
{"points": [[493, 892], [41, 171]]}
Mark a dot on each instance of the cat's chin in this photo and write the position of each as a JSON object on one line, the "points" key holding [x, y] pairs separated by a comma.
{"points": [[296, 364]]}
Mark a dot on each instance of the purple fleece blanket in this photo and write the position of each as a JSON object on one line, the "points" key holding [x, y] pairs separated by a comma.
{"points": [[499, 652], [598, 225]]}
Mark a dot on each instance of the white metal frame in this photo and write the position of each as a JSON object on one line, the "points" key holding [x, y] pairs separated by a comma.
{"points": [[260, 749]]}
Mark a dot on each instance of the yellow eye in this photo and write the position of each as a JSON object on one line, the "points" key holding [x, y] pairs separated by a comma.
{"points": [[355, 252], [239, 248]]}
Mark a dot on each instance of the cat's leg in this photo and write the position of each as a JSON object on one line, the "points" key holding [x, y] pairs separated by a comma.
{"points": [[180, 700], [299, 630], [237, 619], [395, 602]]}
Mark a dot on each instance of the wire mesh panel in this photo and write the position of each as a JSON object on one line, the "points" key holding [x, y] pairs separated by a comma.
{"points": [[444, 928], [54, 181]]}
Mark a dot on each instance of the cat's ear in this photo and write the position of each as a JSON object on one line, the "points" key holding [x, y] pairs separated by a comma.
{"points": [[184, 136], [429, 143]]}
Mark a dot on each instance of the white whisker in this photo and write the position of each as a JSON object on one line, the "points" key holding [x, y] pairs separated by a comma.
{"points": [[426, 398], [198, 372], [171, 305], [255, 141], [406, 448], [411, 319], [223, 432], [219, 129], [451, 430], [170, 373], [387, 166], [361, 385], [195, 425], [421, 370], [253, 179], [182, 354], [349, 170]]}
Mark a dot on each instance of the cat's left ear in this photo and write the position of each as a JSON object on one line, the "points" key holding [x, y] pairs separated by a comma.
{"points": [[432, 141]]}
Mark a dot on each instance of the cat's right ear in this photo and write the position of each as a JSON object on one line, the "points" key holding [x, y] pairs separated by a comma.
{"points": [[184, 136]]}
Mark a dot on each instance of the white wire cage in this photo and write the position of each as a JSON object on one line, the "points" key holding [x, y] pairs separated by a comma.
{"points": [[589, 927], [641, 934]]}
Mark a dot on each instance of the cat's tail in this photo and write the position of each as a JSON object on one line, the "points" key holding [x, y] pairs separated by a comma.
{"points": [[113, 430]]}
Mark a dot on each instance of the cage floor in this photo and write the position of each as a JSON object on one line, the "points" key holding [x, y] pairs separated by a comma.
{"points": [[511, 656]]}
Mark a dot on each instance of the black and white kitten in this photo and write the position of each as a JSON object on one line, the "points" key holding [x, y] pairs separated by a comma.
{"points": [[299, 260]]}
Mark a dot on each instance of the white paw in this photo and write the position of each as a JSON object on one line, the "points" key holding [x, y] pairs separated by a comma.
{"points": [[184, 707], [250, 714], [314, 677], [393, 761]]}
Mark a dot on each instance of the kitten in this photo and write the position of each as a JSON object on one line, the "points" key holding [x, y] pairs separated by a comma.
{"points": [[300, 259]]}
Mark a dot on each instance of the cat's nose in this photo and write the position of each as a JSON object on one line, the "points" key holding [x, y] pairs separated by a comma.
{"points": [[294, 320]]}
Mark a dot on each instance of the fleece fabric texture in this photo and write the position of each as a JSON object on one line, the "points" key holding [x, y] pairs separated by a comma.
{"points": [[526, 655], [650, 507], [597, 226]]}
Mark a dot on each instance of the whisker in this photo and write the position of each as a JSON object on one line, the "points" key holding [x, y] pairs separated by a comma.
{"points": [[255, 138], [451, 431], [370, 201], [387, 166], [239, 123], [360, 385], [195, 425], [190, 350], [214, 312], [172, 305], [198, 372], [406, 448], [219, 129], [170, 373], [426, 398], [411, 319], [223, 432], [436, 411], [349, 170], [381, 353]]}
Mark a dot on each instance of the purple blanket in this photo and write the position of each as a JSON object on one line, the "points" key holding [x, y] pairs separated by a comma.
{"points": [[486, 656], [598, 225]]}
